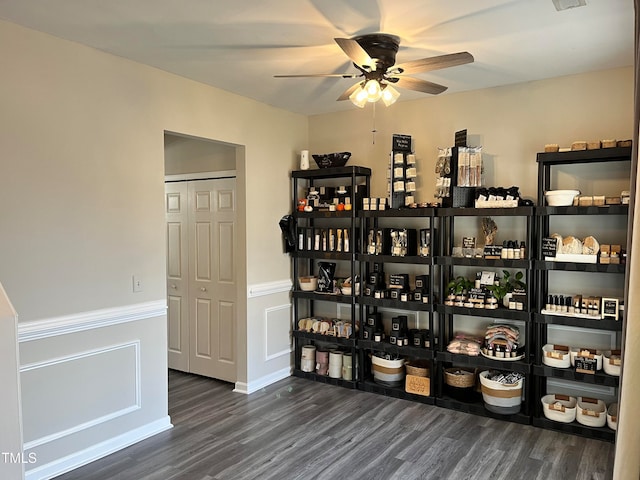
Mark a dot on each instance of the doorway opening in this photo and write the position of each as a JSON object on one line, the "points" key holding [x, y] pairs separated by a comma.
{"points": [[204, 250]]}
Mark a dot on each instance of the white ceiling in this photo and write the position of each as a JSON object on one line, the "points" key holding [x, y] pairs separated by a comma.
{"points": [[238, 45]]}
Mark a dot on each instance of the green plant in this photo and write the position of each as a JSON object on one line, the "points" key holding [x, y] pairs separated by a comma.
{"points": [[459, 285], [507, 284]]}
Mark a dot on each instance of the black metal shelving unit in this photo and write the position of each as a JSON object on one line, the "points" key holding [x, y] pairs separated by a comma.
{"points": [[306, 260], [541, 372], [447, 314], [440, 266], [370, 305]]}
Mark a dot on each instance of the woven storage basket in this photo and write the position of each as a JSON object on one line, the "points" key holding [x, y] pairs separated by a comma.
{"points": [[418, 368], [459, 377], [502, 398]]}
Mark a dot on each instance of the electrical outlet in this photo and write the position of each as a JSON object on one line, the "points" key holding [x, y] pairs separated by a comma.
{"points": [[137, 284]]}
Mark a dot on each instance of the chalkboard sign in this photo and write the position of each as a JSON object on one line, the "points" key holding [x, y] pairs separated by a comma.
{"points": [[461, 138], [468, 242], [401, 143], [610, 308], [586, 362], [549, 247]]}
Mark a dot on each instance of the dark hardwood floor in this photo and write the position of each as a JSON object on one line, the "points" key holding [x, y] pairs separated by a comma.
{"points": [[298, 429]]}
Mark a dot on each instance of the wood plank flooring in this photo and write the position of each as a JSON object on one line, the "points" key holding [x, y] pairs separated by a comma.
{"points": [[299, 430]]}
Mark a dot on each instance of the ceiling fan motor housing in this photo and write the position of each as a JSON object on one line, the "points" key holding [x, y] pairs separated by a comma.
{"points": [[381, 47]]}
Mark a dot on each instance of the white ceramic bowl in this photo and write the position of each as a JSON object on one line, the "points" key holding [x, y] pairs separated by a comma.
{"points": [[608, 364], [561, 198], [612, 416], [505, 399], [308, 284], [559, 410], [574, 353], [592, 414], [555, 358]]}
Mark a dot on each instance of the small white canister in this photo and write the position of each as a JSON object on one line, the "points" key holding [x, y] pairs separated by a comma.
{"points": [[308, 358], [304, 160], [335, 364], [347, 367]]}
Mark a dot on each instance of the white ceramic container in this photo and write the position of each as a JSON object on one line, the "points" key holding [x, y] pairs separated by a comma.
{"points": [[561, 198]]}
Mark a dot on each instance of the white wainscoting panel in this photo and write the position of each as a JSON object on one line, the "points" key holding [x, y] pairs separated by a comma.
{"points": [[92, 383], [277, 331], [83, 390]]}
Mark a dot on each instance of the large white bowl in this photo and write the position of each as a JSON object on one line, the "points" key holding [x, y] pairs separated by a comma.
{"points": [[592, 414], [563, 411], [561, 198]]}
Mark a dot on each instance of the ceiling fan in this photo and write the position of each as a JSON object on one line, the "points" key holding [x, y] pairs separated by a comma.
{"points": [[374, 55]]}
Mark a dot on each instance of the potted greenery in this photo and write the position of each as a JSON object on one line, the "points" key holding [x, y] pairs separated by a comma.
{"points": [[507, 284], [457, 288]]}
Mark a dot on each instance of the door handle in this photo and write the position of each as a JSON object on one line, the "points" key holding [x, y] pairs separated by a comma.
{"points": [[174, 286], [202, 289]]}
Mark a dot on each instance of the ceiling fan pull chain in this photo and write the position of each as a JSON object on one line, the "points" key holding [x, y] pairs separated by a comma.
{"points": [[373, 132]]}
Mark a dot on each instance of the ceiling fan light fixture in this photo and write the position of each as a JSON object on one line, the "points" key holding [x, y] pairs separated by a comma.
{"points": [[374, 90], [359, 97], [389, 95]]}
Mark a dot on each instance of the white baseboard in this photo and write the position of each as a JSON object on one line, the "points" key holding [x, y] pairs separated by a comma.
{"points": [[95, 452], [254, 386]]}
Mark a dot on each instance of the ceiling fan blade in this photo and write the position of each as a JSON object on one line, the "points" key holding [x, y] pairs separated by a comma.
{"points": [[345, 95], [355, 52], [341, 75], [434, 63], [420, 85]]}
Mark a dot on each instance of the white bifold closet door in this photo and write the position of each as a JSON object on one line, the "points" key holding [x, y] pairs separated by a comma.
{"points": [[201, 277]]}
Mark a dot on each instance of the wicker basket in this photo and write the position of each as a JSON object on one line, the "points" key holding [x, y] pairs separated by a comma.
{"points": [[459, 377], [418, 368]]}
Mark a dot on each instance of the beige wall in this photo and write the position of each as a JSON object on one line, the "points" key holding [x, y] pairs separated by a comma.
{"points": [[511, 124], [81, 201], [82, 137]]}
